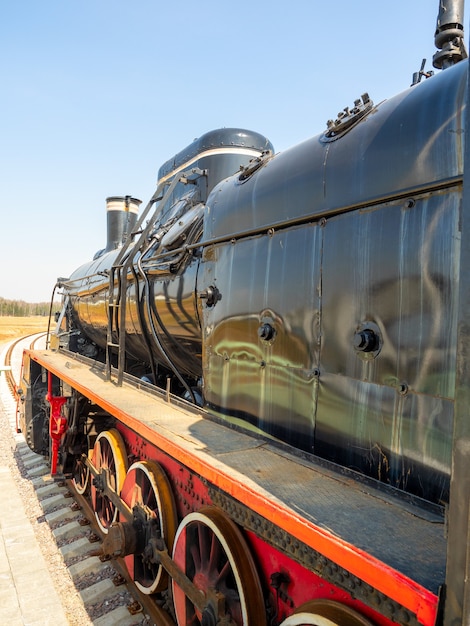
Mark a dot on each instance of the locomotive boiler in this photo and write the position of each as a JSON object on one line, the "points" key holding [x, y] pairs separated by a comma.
{"points": [[307, 294], [307, 307]]}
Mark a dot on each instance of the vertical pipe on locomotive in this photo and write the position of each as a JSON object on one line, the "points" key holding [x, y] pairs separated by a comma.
{"points": [[457, 586]]}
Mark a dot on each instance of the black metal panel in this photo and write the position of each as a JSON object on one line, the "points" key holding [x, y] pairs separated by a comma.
{"points": [[393, 269], [172, 301], [396, 266], [412, 141], [269, 379], [403, 441]]}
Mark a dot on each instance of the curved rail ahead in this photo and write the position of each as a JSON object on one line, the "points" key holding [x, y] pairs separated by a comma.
{"points": [[9, 375]]}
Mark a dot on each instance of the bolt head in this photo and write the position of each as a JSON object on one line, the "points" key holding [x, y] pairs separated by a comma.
{"points": [[266, 332], [365, 340]]}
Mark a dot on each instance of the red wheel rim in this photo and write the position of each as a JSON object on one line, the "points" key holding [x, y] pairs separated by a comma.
{"points": [[211, 551], [108, 454], [146, 485], [81, 475]]}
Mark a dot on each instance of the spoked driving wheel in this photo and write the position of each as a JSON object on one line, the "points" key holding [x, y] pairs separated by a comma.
{"points": [[213, 554], [109, 459], [81, 476], [325, 613], [147, 492]]}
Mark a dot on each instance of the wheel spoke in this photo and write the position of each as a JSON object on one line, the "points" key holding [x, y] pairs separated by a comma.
{"points": [[196, 556], [81, 475], [224, 572], [214, 557], [202, 545]]}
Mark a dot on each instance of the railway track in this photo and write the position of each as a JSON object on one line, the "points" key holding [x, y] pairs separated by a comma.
{"points": [[109, 597], [8, 358]]}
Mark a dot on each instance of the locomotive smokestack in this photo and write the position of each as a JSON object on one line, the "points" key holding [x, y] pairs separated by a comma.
{"points": [[448, 37], [122, 216]]}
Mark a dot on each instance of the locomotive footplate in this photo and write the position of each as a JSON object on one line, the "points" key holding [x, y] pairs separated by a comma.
{"points": [[311, 559], [318, 510]]}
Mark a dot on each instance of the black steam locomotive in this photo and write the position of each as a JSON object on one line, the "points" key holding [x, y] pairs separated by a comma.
{"points": [[311, 295], [312, 299]]}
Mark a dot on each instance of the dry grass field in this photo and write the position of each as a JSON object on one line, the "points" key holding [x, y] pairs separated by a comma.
{"points": [[13, 327]]}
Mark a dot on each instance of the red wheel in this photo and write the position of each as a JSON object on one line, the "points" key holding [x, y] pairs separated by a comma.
{"points": [[81, 476], [211, 551], [147, 488], [325, 613], [109, 459]]}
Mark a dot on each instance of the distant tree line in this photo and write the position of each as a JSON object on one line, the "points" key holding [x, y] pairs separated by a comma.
{"points": [[19, 308]]}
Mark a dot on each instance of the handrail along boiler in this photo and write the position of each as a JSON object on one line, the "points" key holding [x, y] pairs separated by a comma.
{"points": [[262, 381]]}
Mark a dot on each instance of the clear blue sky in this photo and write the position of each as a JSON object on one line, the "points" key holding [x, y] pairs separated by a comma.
{"points": [[97, 94]]}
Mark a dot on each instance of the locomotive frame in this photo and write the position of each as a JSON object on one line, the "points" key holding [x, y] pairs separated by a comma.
{"points": [[206, 466], [193, 501]]}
